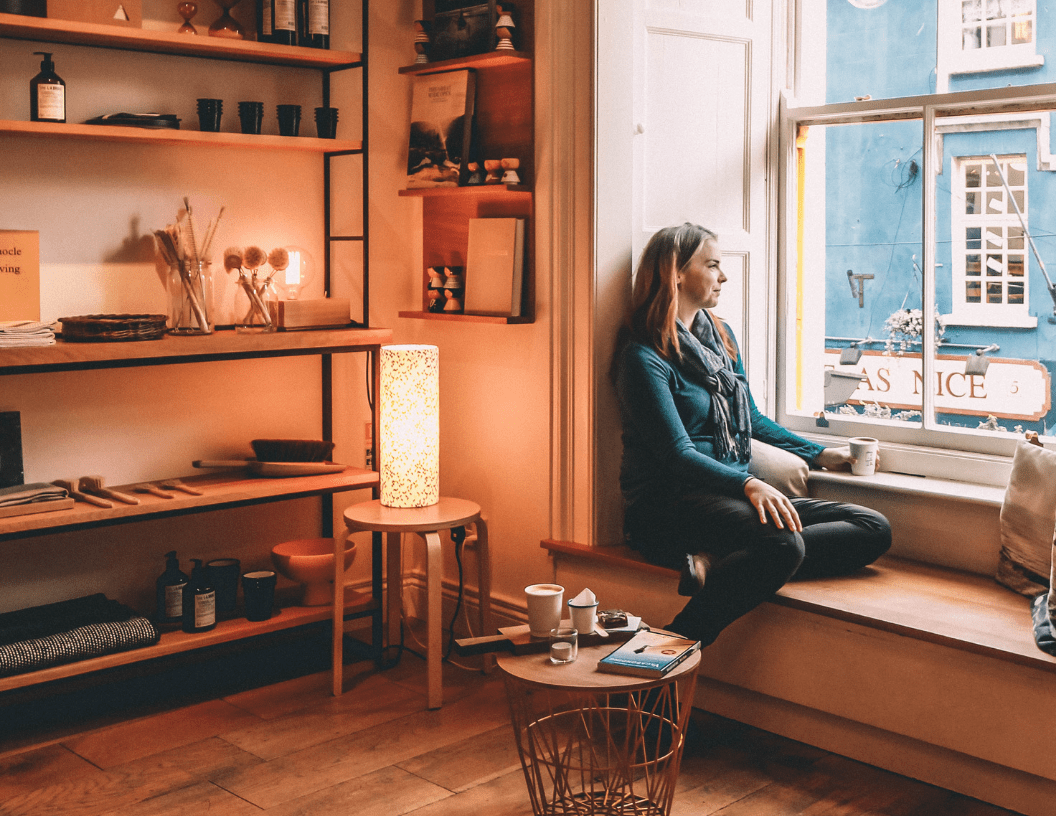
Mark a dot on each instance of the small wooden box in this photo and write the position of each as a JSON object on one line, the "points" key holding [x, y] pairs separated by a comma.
{"points": [[101, 12]]}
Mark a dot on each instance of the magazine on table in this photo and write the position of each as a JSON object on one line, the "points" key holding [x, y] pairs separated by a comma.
{"points": [[648, 654]]}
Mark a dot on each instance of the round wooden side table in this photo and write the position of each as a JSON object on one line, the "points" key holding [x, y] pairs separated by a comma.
{"points": [[426, 522], [596, 743]]}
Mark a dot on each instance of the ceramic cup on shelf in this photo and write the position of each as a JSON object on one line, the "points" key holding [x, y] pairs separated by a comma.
{"points": [[326, 123], [250, 115], [209, 114], [258, 590], [289, 119]]}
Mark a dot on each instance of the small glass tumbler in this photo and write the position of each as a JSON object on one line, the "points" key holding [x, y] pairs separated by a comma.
{"points": [[289, 119], [564, 645]]}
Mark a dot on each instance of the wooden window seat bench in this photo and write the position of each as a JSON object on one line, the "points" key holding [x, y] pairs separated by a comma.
{"points": [[924, 670]]}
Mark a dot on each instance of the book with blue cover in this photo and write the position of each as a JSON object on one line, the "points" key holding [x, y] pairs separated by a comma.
{"points": [[648, 654]]}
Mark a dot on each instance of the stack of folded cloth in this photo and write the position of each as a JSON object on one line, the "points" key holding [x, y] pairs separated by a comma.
{"points": [[23, 333], [31, 494], [68, 631]]}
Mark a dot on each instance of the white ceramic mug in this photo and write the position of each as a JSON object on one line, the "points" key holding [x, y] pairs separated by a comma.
{"points": [[544, 608], [863, 455], [583, 617]]}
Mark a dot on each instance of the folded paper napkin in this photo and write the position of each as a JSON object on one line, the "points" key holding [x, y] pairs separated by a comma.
{"points": [[25, 333], [29, 493]]}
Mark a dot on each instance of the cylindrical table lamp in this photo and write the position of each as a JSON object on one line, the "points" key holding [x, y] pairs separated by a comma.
{"points": [[409, 426]]}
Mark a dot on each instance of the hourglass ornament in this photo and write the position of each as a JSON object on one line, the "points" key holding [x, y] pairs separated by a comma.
{"points": [[187, 11], [226, 25]]}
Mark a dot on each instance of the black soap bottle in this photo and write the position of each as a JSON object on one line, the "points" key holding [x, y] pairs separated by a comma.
{"points": [[199, 601], [171, 584], [47, 93]]}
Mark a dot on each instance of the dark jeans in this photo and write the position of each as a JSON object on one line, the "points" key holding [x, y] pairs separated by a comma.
{"points": [[750, 561]]}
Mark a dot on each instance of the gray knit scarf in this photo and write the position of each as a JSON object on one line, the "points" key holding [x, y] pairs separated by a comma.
{"points": [[706, 362]]}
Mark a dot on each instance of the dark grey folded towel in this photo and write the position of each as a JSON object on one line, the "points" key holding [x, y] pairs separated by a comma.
{"points": [[94, 640], [53, 618]]}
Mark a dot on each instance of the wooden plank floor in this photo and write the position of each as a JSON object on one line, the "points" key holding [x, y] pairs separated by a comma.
{"points": [[289, 747]]}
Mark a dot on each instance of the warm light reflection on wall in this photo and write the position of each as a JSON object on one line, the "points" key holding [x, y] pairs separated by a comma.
{"points": [[409, 426]]}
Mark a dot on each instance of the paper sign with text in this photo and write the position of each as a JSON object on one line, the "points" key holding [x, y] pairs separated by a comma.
{"points": [[19, 275]]}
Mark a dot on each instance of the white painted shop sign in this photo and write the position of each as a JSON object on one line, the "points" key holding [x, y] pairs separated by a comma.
{"points": [[1011, 389]]}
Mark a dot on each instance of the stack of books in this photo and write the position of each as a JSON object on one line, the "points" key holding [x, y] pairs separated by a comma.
{"points": [[648, 654]]}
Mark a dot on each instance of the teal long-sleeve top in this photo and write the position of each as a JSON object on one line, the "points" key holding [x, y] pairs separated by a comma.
{"points": [[667, 431]]}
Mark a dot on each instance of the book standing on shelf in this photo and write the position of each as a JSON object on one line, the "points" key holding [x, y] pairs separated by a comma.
{"points": [[648, 654], [441, 129], [495, 266]]}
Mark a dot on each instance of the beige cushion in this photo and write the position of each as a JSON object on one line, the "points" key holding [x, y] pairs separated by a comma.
{"points": [[779, 468], [1028, 517]]}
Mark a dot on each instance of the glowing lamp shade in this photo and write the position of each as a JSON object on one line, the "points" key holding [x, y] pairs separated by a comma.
{"points": [[409, 426]]}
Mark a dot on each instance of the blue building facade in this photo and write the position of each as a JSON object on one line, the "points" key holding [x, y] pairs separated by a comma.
{"points": [[995, 192]]}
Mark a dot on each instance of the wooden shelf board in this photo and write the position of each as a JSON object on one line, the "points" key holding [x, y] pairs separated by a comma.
{"points": [[467, 318], [172, 643], [489, 60], [221, 345], [16, 26], [229, 488], [166, 136], [474, 190]]}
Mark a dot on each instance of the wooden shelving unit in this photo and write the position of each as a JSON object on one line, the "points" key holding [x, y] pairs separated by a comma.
{"points": [[504, 120], [229, 489]]}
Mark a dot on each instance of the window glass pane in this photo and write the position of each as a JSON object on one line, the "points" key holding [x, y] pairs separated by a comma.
{"points": [[859, 288], [993, 368]]}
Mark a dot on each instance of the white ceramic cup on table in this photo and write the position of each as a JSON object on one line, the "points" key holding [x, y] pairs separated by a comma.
{"points": [[544, 608], [863, 455], [583, 616]]}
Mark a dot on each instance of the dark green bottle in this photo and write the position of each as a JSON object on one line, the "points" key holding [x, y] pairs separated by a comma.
{"points": [[199, 601], [171, 584]]}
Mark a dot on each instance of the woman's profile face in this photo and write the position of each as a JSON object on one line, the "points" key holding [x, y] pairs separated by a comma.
{"points": [[700, 281]]}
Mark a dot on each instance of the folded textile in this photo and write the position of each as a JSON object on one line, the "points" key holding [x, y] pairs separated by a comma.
{"points": [[24, 333], [62, 616], [29, 493], [93, 640]]}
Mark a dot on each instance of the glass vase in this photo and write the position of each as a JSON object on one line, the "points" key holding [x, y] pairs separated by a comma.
{"points": [[256, 304], [190, 298]]}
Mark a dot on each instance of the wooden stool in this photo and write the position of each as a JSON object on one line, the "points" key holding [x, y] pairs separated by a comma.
{"points": [[426, 522]]}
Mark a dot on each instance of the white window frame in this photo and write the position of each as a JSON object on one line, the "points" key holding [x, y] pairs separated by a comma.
{"points": [[992, 242], [957, 453], [954, 59]]}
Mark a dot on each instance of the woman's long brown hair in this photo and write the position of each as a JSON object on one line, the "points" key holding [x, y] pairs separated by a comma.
{"points": [[654, 293]]}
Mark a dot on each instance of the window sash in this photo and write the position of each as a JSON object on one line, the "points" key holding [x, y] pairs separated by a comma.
{"points": [[931, 110]]}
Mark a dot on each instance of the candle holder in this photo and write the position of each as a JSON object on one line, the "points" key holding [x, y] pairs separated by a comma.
{"points": [[421, 42], [186, 11], [226, 25], [503, 30]]}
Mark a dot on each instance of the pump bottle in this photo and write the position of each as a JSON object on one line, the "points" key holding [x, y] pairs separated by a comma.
{"points": [[47, 93], [171, 585], [199, 601]]}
